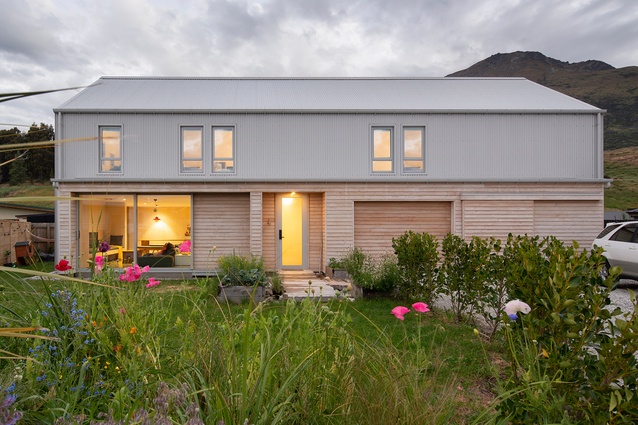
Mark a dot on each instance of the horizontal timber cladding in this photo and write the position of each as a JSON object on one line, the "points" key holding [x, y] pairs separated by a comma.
{"points": [[497, 218], [222, 211], [569, 221], [220, 220], [376, 223], [268, 227], [315, 231]]}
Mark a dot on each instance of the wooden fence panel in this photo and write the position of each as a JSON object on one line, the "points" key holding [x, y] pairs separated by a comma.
{"points": [[12, 231]]}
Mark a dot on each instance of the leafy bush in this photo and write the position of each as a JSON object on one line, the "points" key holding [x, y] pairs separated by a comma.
{"points": [[366, 271], [237, 270], [417, 257], [582, 352]]}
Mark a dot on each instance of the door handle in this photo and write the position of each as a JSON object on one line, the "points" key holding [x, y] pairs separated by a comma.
{"points": [[280, 235]]}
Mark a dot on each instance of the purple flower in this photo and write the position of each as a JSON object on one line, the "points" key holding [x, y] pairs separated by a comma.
{"points": [[104, 246], [512, 316]]}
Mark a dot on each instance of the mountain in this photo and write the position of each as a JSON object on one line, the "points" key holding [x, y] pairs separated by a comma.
{"points": [[592, 81]]}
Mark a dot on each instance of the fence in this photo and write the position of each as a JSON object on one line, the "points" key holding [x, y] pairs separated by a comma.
{"points": [[12, 231]]}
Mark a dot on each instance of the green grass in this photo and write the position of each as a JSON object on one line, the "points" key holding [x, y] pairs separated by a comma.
{"points": [[33, 190], [621, 165], [178, 326]]}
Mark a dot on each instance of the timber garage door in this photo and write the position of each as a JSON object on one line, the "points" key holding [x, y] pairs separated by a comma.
{"points": [[376, 223]]}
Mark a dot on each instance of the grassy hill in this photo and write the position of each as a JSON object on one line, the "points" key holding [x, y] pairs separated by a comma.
{"points": [[593, 82], [37, 190]]}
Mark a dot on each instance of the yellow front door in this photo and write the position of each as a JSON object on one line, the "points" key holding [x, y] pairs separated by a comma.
{"points": [[292, 231]]}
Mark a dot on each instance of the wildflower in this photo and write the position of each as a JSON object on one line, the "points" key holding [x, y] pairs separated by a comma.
{"points": [[400, 311], [516, 306], [133, 273], [99, 263], [123, 310], [104, 246], [420, 307], [133, 330], [63, 266], [152, 282]]}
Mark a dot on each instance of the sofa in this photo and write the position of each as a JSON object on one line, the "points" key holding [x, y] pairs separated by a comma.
{"points": [[156, 261]]}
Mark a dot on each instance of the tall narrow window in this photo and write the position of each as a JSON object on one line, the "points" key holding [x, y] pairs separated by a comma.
{"points": [[192, 150], [110, 149], [223, 149], [413, 150], [382, 150]]}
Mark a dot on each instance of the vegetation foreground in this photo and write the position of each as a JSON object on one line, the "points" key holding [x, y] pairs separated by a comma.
{"points": [[123, 349]]}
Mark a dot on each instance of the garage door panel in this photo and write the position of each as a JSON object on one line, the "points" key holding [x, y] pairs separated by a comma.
{"points": [[377, 223]]}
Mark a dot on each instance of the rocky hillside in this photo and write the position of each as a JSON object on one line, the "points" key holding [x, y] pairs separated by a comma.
{"points": [[592, 81]]}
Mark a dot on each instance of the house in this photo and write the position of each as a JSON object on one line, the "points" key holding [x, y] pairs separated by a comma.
{"points": [[299, 170]]}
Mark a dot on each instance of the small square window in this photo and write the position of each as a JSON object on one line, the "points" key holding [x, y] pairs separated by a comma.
{"points": [[382, 150], [110, 149], [223, 149]]}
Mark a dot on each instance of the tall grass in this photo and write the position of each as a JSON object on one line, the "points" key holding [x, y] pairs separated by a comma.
{"points": [[121, 349]]}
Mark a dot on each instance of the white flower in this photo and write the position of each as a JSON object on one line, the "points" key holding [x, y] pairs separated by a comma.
{"points": [[516, 306]]}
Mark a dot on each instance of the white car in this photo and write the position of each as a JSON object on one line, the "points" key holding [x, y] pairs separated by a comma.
{"points": [[620, 242]]}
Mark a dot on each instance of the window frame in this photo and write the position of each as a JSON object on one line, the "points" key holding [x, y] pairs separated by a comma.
{"points": [[405, 158], [374, 158], [102, 158], [182, 168], [222, 159]]}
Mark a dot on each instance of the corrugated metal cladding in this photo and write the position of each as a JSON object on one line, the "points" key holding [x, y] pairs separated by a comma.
{"points": [[336, 147], [315, 94]]}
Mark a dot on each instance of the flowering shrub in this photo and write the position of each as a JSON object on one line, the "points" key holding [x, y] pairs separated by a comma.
{"points": [[8, 415]]}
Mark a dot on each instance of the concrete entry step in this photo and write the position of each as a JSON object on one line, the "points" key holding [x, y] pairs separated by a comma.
{"points": [[300, 284]]}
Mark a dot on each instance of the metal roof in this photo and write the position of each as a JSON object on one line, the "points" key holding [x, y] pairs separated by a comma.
{"points": [[329, 95]]}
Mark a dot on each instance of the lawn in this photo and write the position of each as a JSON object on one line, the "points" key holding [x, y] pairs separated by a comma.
{"points": [[339, 362]]}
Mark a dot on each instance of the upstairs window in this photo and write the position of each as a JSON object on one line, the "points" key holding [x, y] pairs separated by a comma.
{"points": [[192, 150], [413, 150], [110, 149], [223, 149], [382, 150]]}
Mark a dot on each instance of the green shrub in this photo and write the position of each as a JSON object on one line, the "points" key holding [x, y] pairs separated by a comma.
{"points": [[237, 270], [580, 347], [369, 272], [417, 257]]}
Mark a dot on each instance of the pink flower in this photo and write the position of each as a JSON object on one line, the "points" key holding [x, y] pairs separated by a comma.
{"points": [[131, 274], [400, 311], [123, 310], [420, 307], [99, 263], [185, 246], [63, 266], [152, 282]]}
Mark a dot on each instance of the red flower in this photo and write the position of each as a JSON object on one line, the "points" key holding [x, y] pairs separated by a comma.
{"points": [[63, 266]]}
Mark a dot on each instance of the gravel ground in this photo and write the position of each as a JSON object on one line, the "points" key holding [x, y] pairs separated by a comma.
{"points": [[620, 296]]}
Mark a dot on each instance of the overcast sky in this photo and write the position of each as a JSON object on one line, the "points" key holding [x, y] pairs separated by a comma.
{"points": [[48, 44]]}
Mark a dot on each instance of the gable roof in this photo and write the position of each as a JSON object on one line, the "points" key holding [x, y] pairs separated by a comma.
{"points": [[299, 95]]}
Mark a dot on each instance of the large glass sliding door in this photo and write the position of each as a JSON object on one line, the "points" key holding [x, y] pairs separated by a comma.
{"points": [[148, 229]]}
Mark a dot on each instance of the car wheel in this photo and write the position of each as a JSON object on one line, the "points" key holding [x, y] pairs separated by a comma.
{"points": [[604, 271]]}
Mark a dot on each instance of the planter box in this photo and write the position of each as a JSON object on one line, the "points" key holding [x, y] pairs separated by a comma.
{"points": [[340, 274], [239, 294], [359, 292]]}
